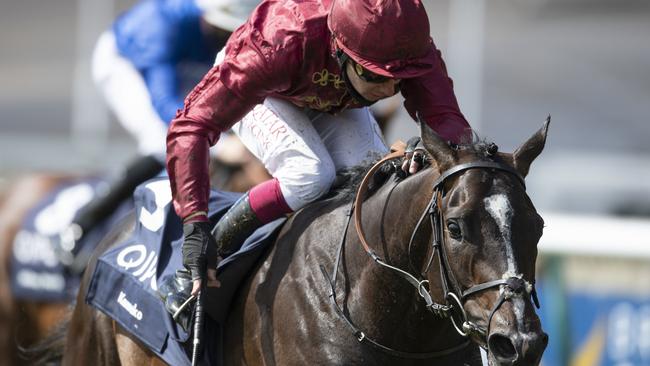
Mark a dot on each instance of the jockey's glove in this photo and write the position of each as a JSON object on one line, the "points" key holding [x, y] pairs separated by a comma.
{"points": [[199, 249], [414, 155], [414, 143]]}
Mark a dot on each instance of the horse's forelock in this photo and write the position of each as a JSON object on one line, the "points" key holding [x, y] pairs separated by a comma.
{"points": [[481, 148]]}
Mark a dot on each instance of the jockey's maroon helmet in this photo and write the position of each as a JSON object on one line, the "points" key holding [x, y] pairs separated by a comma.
{"points": [[388, 37]]}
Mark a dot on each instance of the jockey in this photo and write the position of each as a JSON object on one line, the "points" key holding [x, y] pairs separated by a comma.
{"points": [[143, 65], [294, 83]]}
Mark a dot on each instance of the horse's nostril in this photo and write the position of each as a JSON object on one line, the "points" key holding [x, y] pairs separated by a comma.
{"points": [[502, 348]]}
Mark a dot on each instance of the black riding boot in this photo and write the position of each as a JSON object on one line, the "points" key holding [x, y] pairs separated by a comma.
{"points": [[237, 224], [98, 209]]}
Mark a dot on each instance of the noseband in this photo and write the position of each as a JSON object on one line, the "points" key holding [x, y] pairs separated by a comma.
{"points": [[513, 286]]}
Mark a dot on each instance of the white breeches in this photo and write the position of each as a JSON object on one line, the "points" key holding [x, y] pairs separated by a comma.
{"points": [[304, 149]]}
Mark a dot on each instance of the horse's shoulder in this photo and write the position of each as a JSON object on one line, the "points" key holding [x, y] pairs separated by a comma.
{"points": [[317, 215], [311, 234]]}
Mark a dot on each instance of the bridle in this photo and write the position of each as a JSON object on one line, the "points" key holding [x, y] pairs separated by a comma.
{"points": [[511, 287]]}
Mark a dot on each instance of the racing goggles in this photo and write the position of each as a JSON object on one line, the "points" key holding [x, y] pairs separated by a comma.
{"points": [[369, 76]]}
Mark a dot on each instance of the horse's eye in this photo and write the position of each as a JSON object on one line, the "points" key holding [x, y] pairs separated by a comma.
{"points": [[454, 229]]}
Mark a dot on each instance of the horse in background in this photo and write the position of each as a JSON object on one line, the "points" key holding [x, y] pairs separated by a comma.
{"points": [[25, 322], [22, 322], [441, 263]]}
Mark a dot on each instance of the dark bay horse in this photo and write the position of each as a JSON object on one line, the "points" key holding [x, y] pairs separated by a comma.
{"points": [[446, 264], [24, 322]]}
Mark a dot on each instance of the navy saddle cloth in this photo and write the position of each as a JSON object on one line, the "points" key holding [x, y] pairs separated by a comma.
{"points": [[36, 272], [124, 283]]}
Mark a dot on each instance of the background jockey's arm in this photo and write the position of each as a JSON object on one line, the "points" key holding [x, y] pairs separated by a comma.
{"points": [[150, 40], [432, 97], [162, 82]]}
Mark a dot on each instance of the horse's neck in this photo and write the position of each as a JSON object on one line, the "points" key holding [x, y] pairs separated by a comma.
{"points": [[389, 218], [391, 215]]}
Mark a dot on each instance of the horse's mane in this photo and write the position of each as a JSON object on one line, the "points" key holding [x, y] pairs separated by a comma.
{"points": [[348, 180]]}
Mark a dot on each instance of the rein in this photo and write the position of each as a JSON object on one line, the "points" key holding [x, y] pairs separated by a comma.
{"points": [[397, 150], [454, 297]]}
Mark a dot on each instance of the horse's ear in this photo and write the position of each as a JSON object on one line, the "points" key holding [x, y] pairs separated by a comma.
{"points": [[439, 149], [526, 153]]}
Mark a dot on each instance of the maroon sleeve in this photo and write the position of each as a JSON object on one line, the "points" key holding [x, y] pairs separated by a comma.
{"points": [[431, 96], [249, 72], [197, 127]]}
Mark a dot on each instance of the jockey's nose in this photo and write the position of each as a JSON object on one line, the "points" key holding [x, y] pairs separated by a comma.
{"points": [[389, 88]]}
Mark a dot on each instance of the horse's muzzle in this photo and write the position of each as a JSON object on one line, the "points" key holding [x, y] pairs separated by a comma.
{"points": [[518, 348]]}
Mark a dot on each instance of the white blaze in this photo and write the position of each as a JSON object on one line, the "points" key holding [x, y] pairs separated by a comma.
{"points": [[500, 209]]}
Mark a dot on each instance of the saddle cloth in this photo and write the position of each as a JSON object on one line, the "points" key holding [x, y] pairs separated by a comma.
{"points": [[36, 272], [124, 282]]}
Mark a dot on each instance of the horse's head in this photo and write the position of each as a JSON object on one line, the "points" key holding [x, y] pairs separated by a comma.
{"points": [[486, 231]]}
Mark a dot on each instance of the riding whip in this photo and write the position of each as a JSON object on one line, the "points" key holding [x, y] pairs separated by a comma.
{"points": [[198, 328]]}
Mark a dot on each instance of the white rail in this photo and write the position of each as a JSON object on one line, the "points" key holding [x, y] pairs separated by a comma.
{"points": [[601, 236]]}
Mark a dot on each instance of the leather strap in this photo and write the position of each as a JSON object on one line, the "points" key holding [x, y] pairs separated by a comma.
{"points": [[397, 150], [480, 165]]}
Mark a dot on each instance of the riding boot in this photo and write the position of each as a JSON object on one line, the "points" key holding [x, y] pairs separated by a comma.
{"points": [[237, 224], [98, 209]]}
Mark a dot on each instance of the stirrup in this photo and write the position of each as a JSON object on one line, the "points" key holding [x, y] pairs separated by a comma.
{"points": [[175, 292], [178, 312]]}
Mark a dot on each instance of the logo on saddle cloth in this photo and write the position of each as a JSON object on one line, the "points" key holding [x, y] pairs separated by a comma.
{"points": [[141, 260], [33, 244], [36, 271], [131, 308]]}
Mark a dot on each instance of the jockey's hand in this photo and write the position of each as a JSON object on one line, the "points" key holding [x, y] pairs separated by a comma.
{"points": [[200, 253], [414, 156]]}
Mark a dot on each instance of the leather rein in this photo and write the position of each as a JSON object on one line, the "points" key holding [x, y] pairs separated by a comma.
{"points": [[452, 308]]}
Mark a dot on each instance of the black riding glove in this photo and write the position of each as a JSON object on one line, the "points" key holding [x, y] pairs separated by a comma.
{"points": [[199, 249], [414, 155]]}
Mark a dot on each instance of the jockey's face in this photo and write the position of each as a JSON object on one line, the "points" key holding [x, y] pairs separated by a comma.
{"points": [[371, 86]]}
